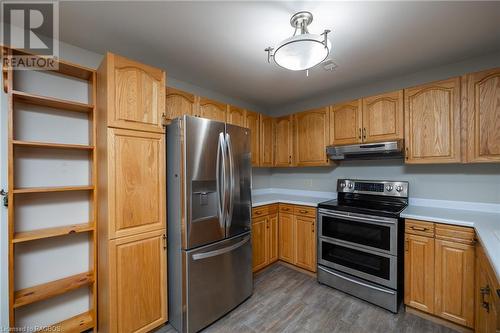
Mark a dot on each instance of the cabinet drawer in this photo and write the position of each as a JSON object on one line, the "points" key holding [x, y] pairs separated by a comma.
{"points": [[284, 208], [304, 211], [264, 210], [455, 233], [421, 228]]}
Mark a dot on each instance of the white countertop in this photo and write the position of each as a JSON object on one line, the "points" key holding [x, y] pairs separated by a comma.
{"points": [[486, 224], [269, 196]]}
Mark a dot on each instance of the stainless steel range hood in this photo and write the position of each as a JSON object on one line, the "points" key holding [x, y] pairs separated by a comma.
{"points": [[368, 151]]}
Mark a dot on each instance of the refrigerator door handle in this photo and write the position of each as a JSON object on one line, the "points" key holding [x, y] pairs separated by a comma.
{"points": [[218, 252], [221, 192], [231, 181]]}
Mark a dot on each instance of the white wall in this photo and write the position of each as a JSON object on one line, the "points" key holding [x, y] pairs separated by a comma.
{"points": [[470, 182]]}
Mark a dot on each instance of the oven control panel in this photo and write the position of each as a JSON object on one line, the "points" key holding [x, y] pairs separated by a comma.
{"points": [[375, 187]]}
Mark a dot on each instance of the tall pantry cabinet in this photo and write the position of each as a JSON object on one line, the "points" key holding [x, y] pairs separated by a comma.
{"points": [[131, 180]]}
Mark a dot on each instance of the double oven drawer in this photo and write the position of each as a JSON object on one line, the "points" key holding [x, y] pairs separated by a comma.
{"points": [[360, 245]]}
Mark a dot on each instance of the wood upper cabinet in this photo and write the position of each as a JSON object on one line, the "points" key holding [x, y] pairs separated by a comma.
{"points": [[419, 272], [266, 141], [454, 269], [305, 242], [236, 116], [136, 182], [482, 115], [138, 275], [135, 94], [283, 148], [312, 130], [286, 237], [432, 122], [211, 109], [260, 242], [179, 103], [252, 122], [345, 123], [383, 117]]}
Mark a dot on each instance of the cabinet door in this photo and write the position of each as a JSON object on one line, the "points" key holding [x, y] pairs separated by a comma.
{"points": [[454, 283], [486, 308], [259, 243], [432, 122], [137, 275], [311, 137], [305, 243], [482, 114], [137, 94], [266, 141], [286, 236], [284, 142], [178, 103], [419, 272], [213, 110], [236, 116], [383, 117], [252, 122], [345, 123], [273, 237], [136, 182]]}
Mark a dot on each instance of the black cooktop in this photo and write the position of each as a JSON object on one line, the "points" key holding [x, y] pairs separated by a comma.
{"points": [[367, 204]]}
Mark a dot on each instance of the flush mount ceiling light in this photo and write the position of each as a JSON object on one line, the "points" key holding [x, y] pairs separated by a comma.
{"points": [[303, 50]]}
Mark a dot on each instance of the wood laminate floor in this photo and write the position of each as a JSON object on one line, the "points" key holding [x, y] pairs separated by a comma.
{"points": [[286, 300]]}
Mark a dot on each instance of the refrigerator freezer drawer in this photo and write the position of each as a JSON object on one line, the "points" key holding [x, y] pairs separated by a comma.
{"points": [[219, 279]]}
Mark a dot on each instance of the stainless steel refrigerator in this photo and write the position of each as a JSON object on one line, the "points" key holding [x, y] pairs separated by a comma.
{"points": [[209, 220]]}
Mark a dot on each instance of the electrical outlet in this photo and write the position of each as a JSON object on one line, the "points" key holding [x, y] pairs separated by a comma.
{"points": [[310, 182]]}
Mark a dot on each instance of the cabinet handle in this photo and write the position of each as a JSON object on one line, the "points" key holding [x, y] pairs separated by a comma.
{"points": [[302, 211], [360, 132], [164, 241], [406, 153], [364, 133], [285, 209], [290, 159], [419, 228], [258, 212], [485, 291], [313, 228], [407, 242]]}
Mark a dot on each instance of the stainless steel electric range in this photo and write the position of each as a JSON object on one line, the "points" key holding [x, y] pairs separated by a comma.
{"points": [[360, 240]]}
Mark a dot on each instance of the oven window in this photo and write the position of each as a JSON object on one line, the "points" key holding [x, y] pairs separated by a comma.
{"points": [[358, 260], [363, 233]]}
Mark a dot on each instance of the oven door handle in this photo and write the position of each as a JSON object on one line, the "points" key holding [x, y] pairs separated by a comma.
{"points": [[356, 282], [357, 218]]}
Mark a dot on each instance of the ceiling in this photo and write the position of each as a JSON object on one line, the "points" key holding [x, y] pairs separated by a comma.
{"points": [[220, 45]]}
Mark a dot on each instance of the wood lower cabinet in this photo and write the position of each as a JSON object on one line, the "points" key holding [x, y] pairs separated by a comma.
{"points": [[135, 94], [264, 236], [283, 148], [432, 122], [345, 123], [287, 237], [419, 272], [266, 141], [454, 283], [297, 236], [481, 93], [487, 295], [236, 116], [252, 122], [137, 272], [383, 117], [312, 131], [211, 109], [179, 103], [305, 243], [439, 270]]}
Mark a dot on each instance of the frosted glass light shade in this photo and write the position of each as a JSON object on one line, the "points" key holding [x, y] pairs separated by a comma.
{"points": [[301, 52]]}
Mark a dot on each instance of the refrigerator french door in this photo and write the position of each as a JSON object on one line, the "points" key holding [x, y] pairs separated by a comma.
{"points": [[209, 220]]}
